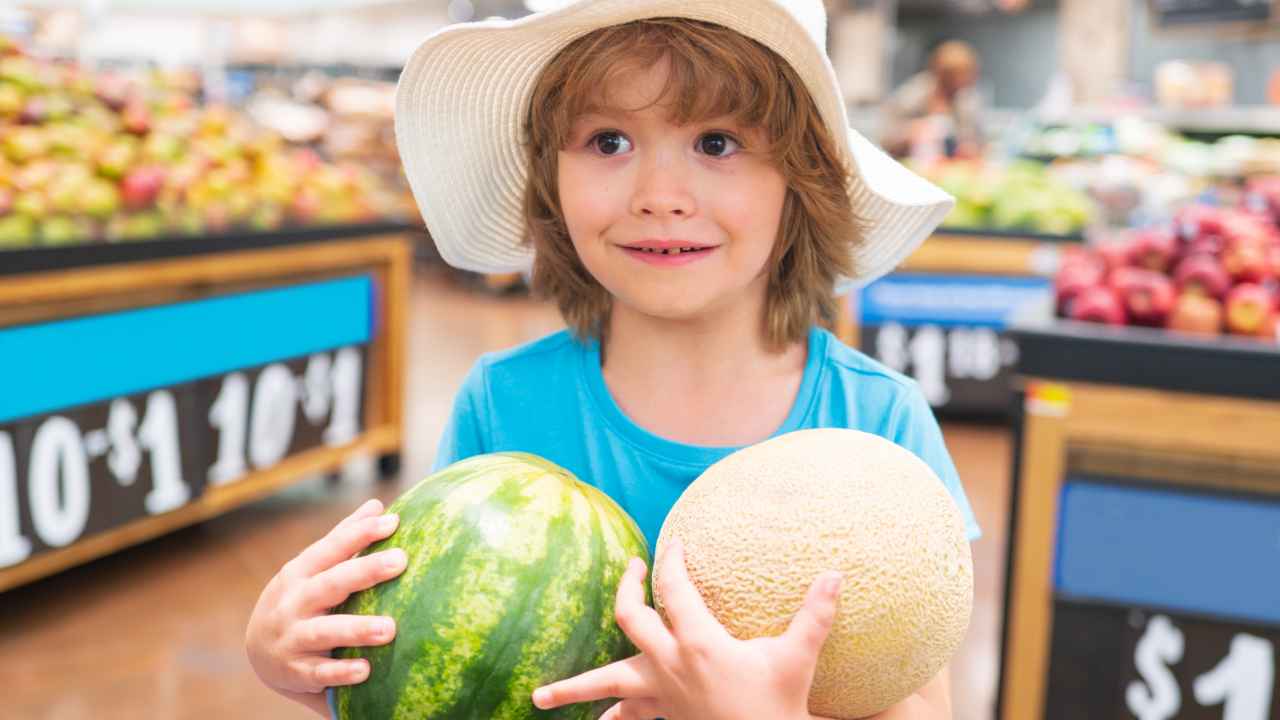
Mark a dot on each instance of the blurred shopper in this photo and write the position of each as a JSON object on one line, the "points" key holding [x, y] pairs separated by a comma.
{"points": [[938, 112]]}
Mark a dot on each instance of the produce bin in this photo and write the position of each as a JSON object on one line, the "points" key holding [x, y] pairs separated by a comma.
{"points": [[152, 385], [1144, 554]]}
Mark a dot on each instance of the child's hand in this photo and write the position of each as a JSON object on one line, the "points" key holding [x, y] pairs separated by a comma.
{"points": [[696, 670], [291, 632]]}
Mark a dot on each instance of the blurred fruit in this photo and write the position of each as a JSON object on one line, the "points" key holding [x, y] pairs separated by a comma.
{"points": [[1098, 304], [1246, 261], [1147, 296], [141, 186], [1115, 253], [1196, 314], [61, 230], [1153, 249], [134, 155], [1250, 309], [1202, 275], [116, 158], [1074, 279], [12, 100], [136, 118], [24, 143], [17, 231], [32, 203], [100, 199]]}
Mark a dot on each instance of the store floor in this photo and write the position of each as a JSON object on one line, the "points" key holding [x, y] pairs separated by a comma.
{"points": [[156, 631]]}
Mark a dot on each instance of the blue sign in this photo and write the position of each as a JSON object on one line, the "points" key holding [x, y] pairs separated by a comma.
{"points": [[1152, 547], [950, 300], [67, 363]]}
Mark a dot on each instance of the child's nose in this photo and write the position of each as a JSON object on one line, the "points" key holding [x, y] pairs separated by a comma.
{"points": [[662, 187]]}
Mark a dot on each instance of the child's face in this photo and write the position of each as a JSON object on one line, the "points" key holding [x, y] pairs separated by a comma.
{"points": [[631, 182]]}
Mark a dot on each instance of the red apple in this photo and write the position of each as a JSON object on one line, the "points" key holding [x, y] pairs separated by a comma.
{"points": [[1153, 249], [136, 118], [1115, 253], [1147, 296], [112, 90], [1196, 314], [1246, 261], [1098, 304], [142, 186], [1072, 280], [1250, 309], [1195, 221], [1202, 275]]}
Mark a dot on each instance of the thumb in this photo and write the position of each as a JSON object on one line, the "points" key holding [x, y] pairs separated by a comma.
{"points": [[811, 625]]}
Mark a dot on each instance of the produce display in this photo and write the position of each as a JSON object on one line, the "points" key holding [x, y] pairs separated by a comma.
{"points": [[513, 567], [1133, 136], [1022, 196], [102, 157], [833, 499], [1213, 270]]}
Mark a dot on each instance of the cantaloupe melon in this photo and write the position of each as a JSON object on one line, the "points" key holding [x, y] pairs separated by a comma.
{"points": [[759, 526]]}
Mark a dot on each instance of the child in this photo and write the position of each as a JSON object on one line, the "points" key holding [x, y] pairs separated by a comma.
{"points": [[680, 176]]}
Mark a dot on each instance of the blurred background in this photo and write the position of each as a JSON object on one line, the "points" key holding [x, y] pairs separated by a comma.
{"points": [[223, 326]]}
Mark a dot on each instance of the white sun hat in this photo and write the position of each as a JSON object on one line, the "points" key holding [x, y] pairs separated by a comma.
{"points": [[464, 94]]}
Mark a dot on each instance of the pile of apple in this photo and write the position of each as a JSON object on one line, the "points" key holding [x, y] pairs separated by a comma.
{"points": [[102, 158], [1215, 270]]}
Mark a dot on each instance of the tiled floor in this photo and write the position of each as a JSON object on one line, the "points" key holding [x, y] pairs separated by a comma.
{"points": [[156, 631]]}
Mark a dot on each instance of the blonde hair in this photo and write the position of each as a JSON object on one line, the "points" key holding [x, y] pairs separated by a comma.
{"points": [[714, 72]]}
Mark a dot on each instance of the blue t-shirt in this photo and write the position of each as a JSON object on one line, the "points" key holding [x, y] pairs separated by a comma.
{"points": [[549, 398]]}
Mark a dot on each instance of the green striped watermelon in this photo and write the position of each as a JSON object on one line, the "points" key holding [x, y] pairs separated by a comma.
{"points": [[513, 566]]}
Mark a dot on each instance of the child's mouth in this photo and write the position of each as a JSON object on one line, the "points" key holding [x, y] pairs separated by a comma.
{"points": [[668, 256]]}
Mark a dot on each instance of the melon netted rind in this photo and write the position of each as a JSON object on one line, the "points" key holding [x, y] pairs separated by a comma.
{"points": [[760, 525]]}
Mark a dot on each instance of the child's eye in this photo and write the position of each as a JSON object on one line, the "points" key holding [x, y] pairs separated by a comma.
{"points": [[718, 144], [610, 142]]}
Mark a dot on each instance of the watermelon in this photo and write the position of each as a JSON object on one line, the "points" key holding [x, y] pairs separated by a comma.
{"points": [[513, 567]]}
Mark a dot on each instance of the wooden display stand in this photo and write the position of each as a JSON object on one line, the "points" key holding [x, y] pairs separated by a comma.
{"points": [[940, 317], [206, 378], [1144, 570]]}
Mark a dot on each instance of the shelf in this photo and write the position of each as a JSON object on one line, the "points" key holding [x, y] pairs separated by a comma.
{"points": [[1149, 358], [17, 262]]}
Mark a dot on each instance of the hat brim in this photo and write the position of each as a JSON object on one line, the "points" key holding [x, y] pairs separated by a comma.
{"points": [[461, 105]]}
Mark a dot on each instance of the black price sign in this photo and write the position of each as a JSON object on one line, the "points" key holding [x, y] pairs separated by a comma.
{"points": [[957, 367], [1129, 663], [65, 476]]}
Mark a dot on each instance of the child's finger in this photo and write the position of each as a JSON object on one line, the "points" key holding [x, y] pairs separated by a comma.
{"points": [[323, 633], [333, 586], [638, 621], [811, 625], [634, 709], [624, 679], [689, 616], [342, 542], [317, 673]]}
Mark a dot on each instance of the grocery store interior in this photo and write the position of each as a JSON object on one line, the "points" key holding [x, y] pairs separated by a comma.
{"points": [[1096, 326]]}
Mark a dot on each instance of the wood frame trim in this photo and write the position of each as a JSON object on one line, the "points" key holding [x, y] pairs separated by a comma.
{"points": [[1116, 421]]}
